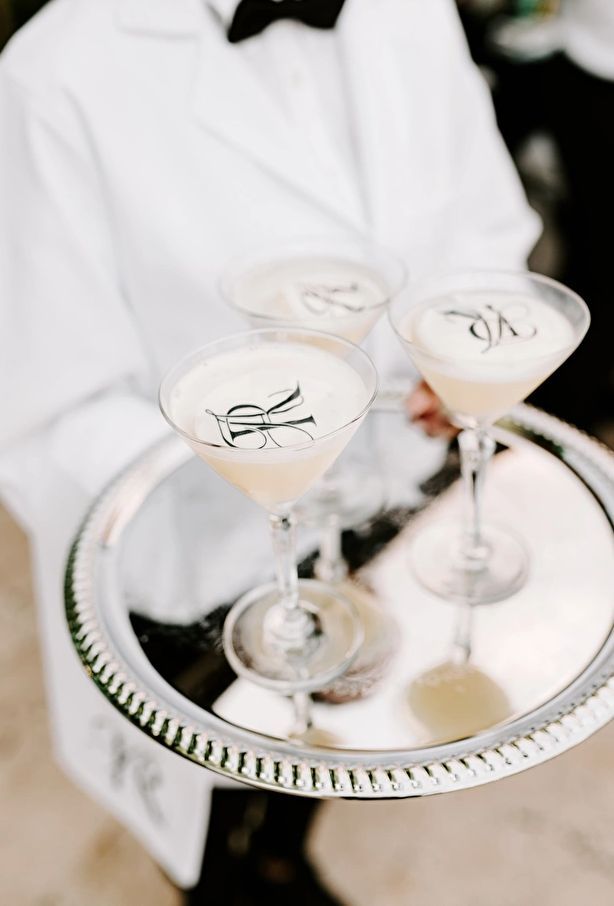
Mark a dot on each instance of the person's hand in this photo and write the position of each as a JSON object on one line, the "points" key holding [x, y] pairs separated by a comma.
{"points": [[426, 410]]}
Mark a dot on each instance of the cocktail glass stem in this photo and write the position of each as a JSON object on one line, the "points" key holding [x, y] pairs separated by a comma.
{"points": [[302, 714], [288, 625], [476, 448], [463, 631], [330, 565]]}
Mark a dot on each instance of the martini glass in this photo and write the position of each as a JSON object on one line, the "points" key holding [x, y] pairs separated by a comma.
{"points": [[336, 285], [483, 341], [270, 410], [341, 286]]}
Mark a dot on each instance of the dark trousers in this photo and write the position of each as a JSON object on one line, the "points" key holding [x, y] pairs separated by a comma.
{"points": [[255, 852]]}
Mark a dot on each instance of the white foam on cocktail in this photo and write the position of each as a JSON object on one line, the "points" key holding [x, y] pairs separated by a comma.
{"points": [[329, 294], [266, 408], [484, 352]]}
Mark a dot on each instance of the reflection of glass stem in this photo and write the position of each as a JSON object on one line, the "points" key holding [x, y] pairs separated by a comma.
{"points": [[288, 625], [476, 448], [461, 645], [330, 565], [302, 714]]}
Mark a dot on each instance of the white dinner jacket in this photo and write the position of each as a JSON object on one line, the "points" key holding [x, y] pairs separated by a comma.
{"points": [[138, 155]]}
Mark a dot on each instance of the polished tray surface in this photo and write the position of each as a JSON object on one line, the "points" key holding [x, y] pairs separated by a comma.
{"points": [[169, 546]]}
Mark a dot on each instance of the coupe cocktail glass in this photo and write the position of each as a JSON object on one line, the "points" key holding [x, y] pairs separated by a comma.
{"points": [[483, 341], [338, 285], [270, 410]]}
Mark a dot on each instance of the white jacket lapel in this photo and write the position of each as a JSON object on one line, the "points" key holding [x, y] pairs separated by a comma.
{"points": [[173, 18], [228, 102]]}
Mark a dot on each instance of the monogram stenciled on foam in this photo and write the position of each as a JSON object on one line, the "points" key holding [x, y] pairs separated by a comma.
{"points": [[318, 298], [267, 426], [496, 326]]}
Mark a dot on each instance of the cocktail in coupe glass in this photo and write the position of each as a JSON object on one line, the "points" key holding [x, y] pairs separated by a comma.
{"points": [[483, 341], [270, 410], [338, 285]]}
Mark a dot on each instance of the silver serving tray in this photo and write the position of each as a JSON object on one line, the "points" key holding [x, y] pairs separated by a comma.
{"points": [[168, 544]]}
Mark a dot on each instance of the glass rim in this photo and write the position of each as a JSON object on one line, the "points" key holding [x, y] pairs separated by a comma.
{"points": [[495, 272], [224, 280], [352, 347]]}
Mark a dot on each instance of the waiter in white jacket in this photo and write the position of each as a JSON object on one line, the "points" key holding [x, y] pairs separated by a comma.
{"points": [[143, 143]]}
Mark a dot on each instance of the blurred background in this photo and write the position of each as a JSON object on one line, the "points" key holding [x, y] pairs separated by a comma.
{"points": [[543, 837]]}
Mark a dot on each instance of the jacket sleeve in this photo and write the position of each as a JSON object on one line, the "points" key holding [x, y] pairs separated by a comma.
{"points": [[71, 360], [488, 221]]}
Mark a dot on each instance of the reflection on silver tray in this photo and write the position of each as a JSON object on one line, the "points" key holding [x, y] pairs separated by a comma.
{"points": [[150, 578]]}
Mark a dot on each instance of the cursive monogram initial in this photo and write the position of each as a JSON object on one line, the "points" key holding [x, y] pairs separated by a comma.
{"points": [[249, 426], [319, 297], [496, 326]]}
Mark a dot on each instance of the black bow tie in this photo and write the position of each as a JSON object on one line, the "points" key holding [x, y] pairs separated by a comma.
{"points": [[252, 16]]}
